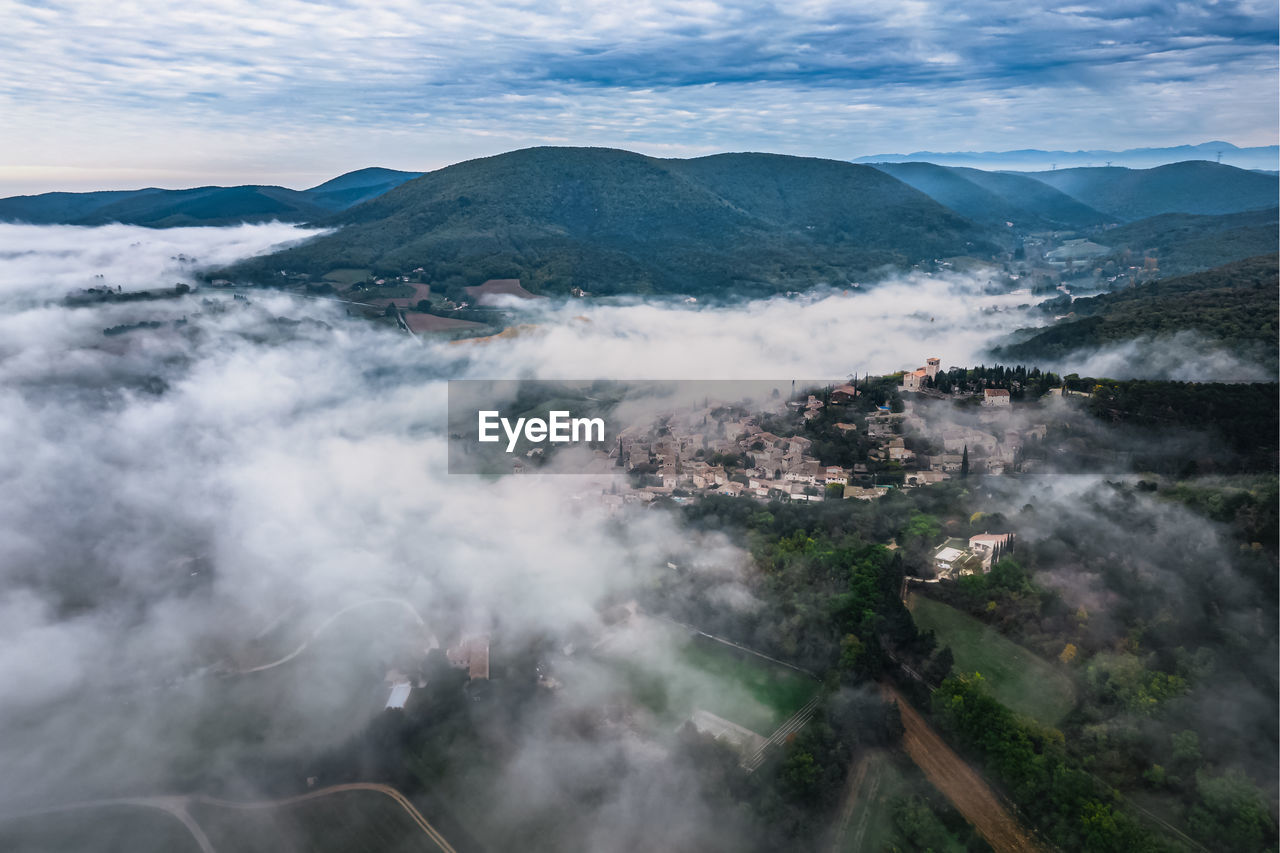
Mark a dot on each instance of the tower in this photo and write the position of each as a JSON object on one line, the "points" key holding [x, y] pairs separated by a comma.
{"points": [[931, 367]]}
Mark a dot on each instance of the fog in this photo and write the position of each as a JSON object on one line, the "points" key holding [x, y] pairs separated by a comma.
{"points": [[1185, 356], [188, 499]]}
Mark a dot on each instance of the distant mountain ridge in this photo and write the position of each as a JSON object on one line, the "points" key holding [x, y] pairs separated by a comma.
{"points": [[163, 208], [996, 198], [1193, 186], [1034, 159], [612, 221]]}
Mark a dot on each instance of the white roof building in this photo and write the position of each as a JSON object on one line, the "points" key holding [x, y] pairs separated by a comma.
{"points": [[399, 695]]}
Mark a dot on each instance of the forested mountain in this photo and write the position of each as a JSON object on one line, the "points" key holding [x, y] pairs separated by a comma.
{"points": [[361, 185], [612, 221], [1184, 243], [1194, 186], [1235, 304], [994, 198], [202, 205]]}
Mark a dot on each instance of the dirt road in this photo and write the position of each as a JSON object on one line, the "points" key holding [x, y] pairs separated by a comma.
{"points": [[958, 782]]}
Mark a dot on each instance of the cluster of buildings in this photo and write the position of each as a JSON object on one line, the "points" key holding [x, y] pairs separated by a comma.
{"points": [[470, 653], [771, 465]]}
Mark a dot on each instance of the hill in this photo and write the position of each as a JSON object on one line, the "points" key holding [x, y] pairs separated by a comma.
{"points": [[355, 187], [1235, 305], [1189, 187], [611, 221], [1184, 243], [994, 198], [160, 208]]}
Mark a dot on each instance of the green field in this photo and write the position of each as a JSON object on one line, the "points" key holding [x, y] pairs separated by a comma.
{"points": [[679, 674], [347, 275], [1021, 680], [775, 692]]}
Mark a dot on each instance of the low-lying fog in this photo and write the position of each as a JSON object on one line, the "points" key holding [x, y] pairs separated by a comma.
{"points": [[172, 493]]}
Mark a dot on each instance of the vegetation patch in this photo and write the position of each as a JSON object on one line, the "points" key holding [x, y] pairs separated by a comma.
{"points": [[1019, 679]]}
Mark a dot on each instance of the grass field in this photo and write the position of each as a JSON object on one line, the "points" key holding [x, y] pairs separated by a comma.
{"points": [[1021, 680], [775, 692], [109, 829], [678, 674], [346, 275]]}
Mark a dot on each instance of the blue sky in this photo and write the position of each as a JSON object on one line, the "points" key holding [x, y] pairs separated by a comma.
{"points": [[152, 92]]}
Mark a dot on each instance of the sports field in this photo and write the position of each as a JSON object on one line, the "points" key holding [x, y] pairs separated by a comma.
{"points": [[676, 673]]}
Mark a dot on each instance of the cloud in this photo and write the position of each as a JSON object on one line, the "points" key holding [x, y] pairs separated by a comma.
{"points": [[307, 90], [1185, 357]]}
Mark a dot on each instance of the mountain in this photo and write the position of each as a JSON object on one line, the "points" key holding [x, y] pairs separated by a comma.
{"points": [[1184, 243], [994, 198], [355, 187], [611, 221], [1033, 159], [1194, 186], [203, 205], [1235, 305]]}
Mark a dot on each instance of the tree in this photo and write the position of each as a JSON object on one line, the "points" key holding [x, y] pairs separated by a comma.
{"points": [[964, 463]]}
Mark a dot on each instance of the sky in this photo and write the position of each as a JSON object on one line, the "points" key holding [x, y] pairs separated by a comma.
{"points": [[145, 92]]}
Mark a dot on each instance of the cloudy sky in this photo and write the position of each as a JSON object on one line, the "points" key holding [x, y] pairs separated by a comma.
{"points": [[149, 92]]}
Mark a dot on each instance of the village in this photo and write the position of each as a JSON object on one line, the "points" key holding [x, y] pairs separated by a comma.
{"points": [[834, 443]]}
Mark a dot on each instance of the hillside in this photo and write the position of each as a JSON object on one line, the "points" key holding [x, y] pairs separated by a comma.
{"points": [[994, 198], [612, 221], [160, 208], [1194, 186], [1184, 243], [1235, 305]]}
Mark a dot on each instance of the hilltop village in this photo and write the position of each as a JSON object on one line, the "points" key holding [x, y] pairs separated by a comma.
{"points": [[856, 441]]}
